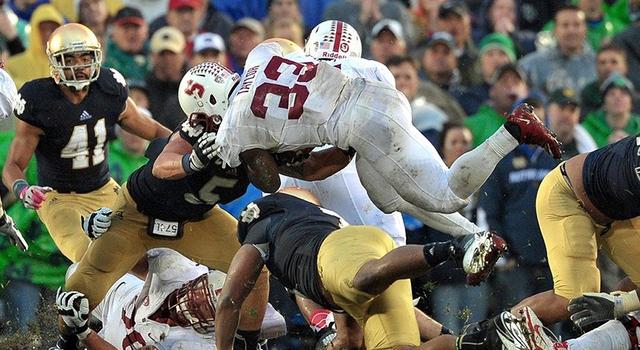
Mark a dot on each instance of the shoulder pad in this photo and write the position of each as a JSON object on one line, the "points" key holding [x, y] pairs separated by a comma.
{"points": [[112, 82]]}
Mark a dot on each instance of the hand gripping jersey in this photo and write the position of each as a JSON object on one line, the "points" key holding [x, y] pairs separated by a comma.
{"points": [[71, 154], [282, 104], [187, 198], [611, 177], [289, 231]]}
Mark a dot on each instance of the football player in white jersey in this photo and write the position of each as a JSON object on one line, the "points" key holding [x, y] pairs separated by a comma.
{"points": [[287, 103], [8, 101], [173, 308], [334, 41]]}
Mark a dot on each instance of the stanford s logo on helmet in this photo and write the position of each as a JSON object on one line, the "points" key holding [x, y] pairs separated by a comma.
{"points": [[204, 94], [333, 40]]}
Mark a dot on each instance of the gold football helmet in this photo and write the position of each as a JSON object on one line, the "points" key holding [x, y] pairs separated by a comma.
{"points": [[70, 39]]}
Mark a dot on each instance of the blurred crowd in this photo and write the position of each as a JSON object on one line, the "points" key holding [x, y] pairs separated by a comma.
{"points": [[461, 64]]}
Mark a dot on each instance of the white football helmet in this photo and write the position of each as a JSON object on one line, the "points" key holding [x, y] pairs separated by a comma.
{"points": [[204, 93], [333, 40]]}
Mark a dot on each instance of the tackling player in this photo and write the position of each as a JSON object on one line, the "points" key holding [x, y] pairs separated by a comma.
{"points": [[66, 120], [8, 100], [356, 269], [169, 305], [172, 202]]}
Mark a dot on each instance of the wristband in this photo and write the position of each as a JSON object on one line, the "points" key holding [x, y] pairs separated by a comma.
{"points": [[185, 164], [19, 186], [82, 335], [626, 302]]}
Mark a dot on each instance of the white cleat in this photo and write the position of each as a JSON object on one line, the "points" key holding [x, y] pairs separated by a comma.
{"points": [[481, 255]]}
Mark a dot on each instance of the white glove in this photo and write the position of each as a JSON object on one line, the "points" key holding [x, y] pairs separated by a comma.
{"points": [[203, 152], [10, 230], [33, 196], [98, 223], [73, 308]]}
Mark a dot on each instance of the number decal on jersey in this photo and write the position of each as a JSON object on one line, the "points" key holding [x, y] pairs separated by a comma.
{"points": [[206, 195], [291, 98], [77, 148]]}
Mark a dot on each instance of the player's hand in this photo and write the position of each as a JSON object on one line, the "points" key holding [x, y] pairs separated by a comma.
{"points": [[73, 308], [592, 309], [203, 151], [10, 230], [33, 196], [97, 223]]}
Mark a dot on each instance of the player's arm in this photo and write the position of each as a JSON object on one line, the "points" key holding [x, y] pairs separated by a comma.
{"points": [[168, 165], [243, 273], [319, 165], [140, 124], [20, 153], [262, 169]]}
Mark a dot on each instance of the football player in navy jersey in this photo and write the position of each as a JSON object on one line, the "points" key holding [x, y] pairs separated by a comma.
{"points": [[171, 202], [355, 269], [66, 120]]}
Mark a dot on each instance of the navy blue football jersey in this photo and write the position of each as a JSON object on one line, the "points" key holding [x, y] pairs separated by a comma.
{"points": [[289, 232], [188, 198], [611, 177], [71, 154]]}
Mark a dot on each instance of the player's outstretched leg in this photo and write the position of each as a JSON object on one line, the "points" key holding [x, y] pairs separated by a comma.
{"points": [[477, 255], [471, 170]]}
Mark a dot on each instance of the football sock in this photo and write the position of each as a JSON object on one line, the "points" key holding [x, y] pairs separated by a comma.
{"points": [[611, 335]]}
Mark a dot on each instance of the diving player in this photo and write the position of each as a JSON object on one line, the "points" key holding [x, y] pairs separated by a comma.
{"points": [[66, 120]]}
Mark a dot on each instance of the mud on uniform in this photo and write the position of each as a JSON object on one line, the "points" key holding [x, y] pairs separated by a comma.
{"points": [[71, 152], [151, 213], [572, 239], [310, 250]]}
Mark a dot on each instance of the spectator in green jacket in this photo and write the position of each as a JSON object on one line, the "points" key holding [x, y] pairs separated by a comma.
{"points": [[508, 86], [614, 120], [126, 154], [127, 46]]}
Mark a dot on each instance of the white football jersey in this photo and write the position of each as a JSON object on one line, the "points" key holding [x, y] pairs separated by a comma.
{"points": [[168, 271], [284, 103]]}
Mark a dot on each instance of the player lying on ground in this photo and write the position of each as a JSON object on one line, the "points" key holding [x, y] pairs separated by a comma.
{"points": [[170, 305], [350, 268], [64, 119]]}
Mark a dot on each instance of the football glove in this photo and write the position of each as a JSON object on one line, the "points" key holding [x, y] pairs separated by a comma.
{"points": [[97, 223], [9, 229], [33, 196], [592, 309], [73, 308], [203, 152]]}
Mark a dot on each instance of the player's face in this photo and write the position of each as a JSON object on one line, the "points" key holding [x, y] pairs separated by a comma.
{"points": [[83, 61]]}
